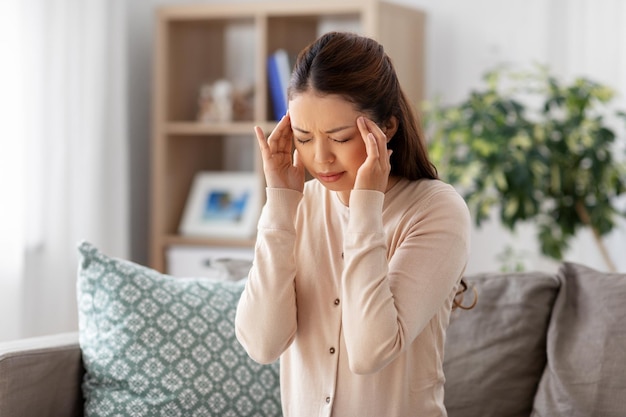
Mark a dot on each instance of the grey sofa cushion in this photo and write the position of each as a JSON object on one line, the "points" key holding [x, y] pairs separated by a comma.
{"points": [[40, 377], [495, 353], [586, 372]]}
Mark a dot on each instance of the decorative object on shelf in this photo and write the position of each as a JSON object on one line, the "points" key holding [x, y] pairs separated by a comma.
{"points": [[222, 101], [215, 102], [222, 204], [243, 102], [539, 150]]}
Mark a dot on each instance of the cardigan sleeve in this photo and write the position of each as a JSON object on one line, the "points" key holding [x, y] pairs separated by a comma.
{"points": [[265, 323], [388, 302]]}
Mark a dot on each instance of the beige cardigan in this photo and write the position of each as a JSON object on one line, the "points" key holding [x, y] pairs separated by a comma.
{"points": [[356, 301]]}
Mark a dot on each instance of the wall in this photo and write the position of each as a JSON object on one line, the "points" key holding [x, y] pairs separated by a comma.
{"points": [[464, 38]]}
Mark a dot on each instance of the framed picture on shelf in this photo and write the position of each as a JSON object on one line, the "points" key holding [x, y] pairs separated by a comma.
{"points": [[222, 205]]}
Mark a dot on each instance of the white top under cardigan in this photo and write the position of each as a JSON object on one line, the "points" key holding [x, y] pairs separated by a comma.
{"points": [[356, 301]]}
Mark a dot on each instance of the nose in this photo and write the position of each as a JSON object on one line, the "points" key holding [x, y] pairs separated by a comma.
{"points": [[323, 152]]}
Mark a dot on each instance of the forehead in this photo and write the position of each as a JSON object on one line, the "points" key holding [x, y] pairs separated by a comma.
{"points": [[311, 111]]}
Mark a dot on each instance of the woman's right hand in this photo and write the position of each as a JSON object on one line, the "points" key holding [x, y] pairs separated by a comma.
{"points": [[282, 168]]}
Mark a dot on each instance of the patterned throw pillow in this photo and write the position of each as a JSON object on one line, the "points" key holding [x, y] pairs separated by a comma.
{"points": [[155, 345]]}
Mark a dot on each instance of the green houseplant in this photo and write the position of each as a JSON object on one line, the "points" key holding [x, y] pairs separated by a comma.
{"points": [[537, 149]]}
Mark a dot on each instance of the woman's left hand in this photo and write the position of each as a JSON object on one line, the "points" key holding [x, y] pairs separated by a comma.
{"points": [[374, 172]]}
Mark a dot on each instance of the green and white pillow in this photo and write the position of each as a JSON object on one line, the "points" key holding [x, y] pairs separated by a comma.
{"points": [[155, 345]]}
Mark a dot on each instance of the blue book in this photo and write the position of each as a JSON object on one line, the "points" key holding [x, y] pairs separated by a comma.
{"points": [[279, 72]]}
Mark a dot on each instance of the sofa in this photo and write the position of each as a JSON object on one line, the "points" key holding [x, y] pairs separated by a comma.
{"points": [[536, 344]]}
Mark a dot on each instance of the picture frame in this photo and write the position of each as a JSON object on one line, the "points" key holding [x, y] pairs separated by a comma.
{"points": [[222, 205]]}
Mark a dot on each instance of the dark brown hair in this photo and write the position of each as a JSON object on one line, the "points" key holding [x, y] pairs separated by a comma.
{"points": [[358, 69]]}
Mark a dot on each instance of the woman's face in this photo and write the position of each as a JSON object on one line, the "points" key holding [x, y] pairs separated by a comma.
{"points": [[327, 138]]}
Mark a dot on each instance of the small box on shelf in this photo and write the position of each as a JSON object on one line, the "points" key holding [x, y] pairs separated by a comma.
{"points": [[231, 263]]}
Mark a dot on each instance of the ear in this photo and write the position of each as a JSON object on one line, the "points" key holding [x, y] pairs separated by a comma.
{"points": [[390, 127]]}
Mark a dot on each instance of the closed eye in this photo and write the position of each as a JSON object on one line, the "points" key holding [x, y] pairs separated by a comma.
{"points": [[303, 140]]}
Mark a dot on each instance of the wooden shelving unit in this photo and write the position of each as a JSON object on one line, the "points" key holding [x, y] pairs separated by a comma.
{"points": [[202, 43]]}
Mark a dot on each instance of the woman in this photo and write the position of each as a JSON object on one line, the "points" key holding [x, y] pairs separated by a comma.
{"points": [[356, 271]]}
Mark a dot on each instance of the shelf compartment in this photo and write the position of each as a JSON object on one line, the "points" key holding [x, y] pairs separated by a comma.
{"points": [[203, 51], [189, 154]]}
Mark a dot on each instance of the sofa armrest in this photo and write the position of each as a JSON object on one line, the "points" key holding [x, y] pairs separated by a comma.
{"points": [[41, 377]]}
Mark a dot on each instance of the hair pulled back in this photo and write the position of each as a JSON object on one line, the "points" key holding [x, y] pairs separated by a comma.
{"points": [[358, 69]]}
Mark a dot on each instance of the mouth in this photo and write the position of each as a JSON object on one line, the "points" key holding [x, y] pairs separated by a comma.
{"points": [[329, 176]]}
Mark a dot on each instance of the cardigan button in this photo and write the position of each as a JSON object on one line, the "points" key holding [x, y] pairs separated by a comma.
{"points": [[336, 302], [327, 400], [331, 350]]}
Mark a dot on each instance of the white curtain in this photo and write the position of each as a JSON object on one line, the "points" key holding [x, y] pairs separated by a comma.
{"points": [[72, 131], [11, 166]]}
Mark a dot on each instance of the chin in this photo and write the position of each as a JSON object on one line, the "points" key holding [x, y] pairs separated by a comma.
{"points": [[336, 186]]}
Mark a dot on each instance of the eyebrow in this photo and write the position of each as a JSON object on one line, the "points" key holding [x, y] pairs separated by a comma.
{"points": [[334, 130]]}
